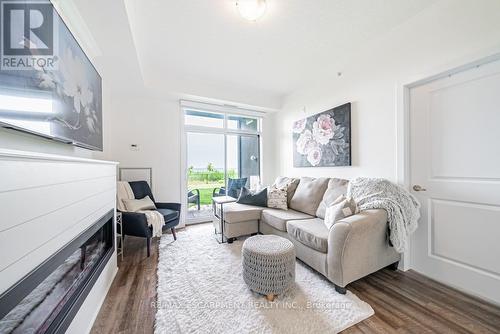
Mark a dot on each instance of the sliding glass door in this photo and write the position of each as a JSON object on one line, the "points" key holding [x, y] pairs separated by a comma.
{"points": [[222, 149], [206, 171]]}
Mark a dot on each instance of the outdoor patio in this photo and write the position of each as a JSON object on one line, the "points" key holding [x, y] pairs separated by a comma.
{"points": [[205, 212]]}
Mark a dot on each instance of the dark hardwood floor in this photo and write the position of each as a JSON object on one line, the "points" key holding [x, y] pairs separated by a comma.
{"points": [[403, 302], [127, 307]]}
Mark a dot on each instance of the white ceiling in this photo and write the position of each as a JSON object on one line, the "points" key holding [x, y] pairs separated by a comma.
{"points": [[107, 21], [203, 47]]}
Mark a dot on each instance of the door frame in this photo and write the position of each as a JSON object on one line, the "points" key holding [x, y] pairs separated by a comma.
{"points": [[403, 167], [226, 110]]}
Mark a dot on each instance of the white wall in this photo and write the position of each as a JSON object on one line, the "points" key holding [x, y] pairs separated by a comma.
{"points": [[152, 124], [443, 35]]}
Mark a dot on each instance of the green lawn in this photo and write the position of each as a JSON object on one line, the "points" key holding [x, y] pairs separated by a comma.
{"points": [[206, 196], [206, 182]]}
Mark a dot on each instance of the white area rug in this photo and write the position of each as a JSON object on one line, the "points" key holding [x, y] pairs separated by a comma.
{"points": [[201, 290]]}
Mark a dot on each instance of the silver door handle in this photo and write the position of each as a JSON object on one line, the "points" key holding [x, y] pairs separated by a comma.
{"points": [[418, 188]]}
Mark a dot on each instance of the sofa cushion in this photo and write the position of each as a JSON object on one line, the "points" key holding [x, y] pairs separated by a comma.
{"points": [[237, 213], [309, 194], [278, 218], [310, 232], [336, 187], [291, 184]]}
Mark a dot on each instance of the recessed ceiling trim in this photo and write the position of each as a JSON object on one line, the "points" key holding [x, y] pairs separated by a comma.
{"points": [[234, 109]]}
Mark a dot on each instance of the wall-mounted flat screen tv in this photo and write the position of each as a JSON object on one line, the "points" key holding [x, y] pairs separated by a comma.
{"points": [[48, 85]]}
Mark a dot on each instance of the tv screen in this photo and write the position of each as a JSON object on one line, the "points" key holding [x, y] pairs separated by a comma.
{"points": [[48, 85]]}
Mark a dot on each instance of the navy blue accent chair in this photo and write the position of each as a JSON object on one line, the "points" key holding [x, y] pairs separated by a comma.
{"points": [[136, 224]]}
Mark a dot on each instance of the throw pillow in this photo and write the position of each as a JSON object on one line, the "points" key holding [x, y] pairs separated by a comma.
{"points": [[134, 205], [290, 183], [276, 198], [257, 199], [342, 207], [336, 187]]}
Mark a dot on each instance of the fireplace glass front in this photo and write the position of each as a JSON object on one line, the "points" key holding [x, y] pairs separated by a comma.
{"points": [[50, 304]]}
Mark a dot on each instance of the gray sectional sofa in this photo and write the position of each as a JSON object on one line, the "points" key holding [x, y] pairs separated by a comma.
{"points": [[353, 248]]}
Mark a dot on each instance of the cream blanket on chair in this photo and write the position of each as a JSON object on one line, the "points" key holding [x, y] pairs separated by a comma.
{"points": [[154, 218], [401, 206]]}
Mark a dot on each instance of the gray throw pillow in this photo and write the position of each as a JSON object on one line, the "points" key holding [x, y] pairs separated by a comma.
{"points": [[257, 199], [340, 209]]}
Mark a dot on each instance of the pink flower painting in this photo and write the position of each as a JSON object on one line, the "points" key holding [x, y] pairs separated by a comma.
{"points": [[323, 140]]}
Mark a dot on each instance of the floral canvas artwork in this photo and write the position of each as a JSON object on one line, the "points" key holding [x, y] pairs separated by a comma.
{"points": [[323, 140], [71, 95]]}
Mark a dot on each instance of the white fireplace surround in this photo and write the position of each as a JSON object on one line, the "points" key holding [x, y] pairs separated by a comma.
{"points": [[46, 201]]}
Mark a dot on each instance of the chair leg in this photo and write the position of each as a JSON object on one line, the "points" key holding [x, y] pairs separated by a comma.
{"points": [[173, 233], [199, 206], [148, 243]]}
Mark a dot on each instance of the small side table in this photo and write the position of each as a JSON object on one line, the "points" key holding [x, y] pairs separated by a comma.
{"points": [[221, 200], [119, 234]]}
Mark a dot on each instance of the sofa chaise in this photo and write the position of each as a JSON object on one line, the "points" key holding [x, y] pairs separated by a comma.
{"points": [[353, 248]]}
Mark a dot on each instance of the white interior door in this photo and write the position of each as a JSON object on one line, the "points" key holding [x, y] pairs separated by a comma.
{"points": [[455, 158]]}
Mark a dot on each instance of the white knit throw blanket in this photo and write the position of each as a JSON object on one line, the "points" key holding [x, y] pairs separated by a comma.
{"points": [[155, 220], [401, 206]]}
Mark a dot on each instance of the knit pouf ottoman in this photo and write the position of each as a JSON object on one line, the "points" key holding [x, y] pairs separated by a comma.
{"points": [[268, 264]]}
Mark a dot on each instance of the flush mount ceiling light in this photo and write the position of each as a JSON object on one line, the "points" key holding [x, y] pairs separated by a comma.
{"points": [[251, 10]]}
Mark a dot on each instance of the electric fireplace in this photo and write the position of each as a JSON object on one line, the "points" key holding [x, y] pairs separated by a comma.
{"points": [[47, 299]]}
